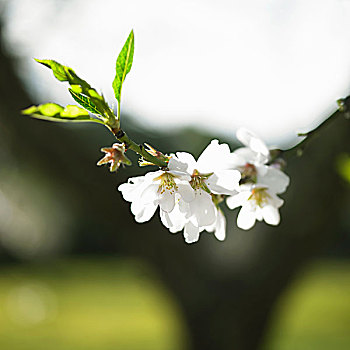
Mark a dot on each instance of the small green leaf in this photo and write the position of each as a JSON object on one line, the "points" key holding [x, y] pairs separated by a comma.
{"points": [[30, 110], [80, 86], [85, 102], [55, 112], [76, 88], [49, 109], [72, 111], [64, 73], [123, 65]]}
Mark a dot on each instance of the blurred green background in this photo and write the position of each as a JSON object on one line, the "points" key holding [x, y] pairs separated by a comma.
{"points": [[107, 303]]}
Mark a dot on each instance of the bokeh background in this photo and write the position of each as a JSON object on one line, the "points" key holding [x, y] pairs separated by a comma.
{"points": [[76, 272]]}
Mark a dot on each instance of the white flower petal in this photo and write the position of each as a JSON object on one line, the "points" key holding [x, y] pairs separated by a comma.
{"points": [[238, 199], [271, 215], [224, 181], [174, 221], [166, 201], [275, 201], [258, 213], [246, 155], [151, 175], [143, 213], [127, 190], [186, 191], [208, 156], [184, 208], [246, 218], [191, 233], [276, 180], [250, 140], [244, 136], [150, 193], [180, 175], [130, 190], [261, 170], [259, 146], [216, 157], [220, 228], [176, 164], [202, 208], [232, 161], [185, 158], [209, 228], [136, 208], [165, 219]]}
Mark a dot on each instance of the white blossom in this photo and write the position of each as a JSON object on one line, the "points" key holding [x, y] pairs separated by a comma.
{"points": [[260, 183], [155, 189], [213, 169], [181, 218], [255, 150], [211, 174], [258, 202], [219, 225], [184, 192]]}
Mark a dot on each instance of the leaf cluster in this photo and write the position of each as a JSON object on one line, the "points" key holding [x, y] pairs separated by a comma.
{"points": [[85, 95]]}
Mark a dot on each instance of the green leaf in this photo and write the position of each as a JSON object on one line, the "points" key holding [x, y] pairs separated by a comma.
{"points": [[123, 65], [64, 73], [85, 102], [80, 86], [76, 88], [55, 112]]}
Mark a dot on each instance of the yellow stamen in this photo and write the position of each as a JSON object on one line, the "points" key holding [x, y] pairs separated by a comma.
{"points": [[260, 196], [166, 183], [197, 180]]}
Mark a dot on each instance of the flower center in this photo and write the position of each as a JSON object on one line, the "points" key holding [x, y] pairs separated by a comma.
{"points": [[167, 182], [248, 173], [259, 196], [198, 180]]}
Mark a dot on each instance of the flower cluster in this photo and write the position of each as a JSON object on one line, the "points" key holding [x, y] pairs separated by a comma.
{"points": [[188, 192], [261, 182]]}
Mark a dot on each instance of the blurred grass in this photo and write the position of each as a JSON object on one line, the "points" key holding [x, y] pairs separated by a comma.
{"points": [[86, 304], [343, 166], [105, 304], [314, 313]]}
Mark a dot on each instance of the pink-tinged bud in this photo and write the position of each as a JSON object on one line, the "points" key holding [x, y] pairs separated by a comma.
{"points": [[115, 155]]}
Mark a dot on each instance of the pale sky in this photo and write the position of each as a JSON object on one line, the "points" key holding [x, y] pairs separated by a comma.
{"points": [[276, 67]]}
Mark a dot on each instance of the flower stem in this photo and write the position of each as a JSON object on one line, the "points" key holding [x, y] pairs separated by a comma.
{"points": [[130, 144]]}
